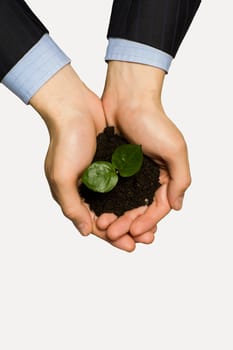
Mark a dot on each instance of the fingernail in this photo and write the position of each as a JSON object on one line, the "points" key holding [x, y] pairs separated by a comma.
{"points": [[83, 229], [179, 203]]}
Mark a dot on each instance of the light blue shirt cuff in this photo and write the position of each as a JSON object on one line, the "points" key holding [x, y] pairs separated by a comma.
{"points": [[131, 51], [36, 67]]}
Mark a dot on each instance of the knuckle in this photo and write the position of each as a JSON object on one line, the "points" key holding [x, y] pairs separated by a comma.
{"points": [[70, 212], [113, 233], [187, 182], [54, 196], [52, 178], [46, 171], [57, 179], [179, 146]]}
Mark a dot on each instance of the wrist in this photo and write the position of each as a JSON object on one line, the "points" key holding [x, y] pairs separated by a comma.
{"points": [[66, 103], [133, 81], [59, 98]]}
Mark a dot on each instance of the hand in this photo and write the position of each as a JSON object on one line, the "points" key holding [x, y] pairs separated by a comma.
{"points": [[74, 116], [132, 103]]}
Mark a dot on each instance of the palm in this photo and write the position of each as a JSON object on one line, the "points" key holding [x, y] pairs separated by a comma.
{"points": [[141, 128]]}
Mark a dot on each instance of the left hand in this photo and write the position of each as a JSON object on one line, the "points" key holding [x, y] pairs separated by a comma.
{"points": [[132, 103]]}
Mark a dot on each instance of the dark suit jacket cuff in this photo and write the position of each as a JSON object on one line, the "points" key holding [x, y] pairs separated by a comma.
{"points": [[20, 30], [158, 23]]}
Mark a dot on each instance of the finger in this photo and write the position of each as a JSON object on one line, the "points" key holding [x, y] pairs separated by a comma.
{"points": [[155, 212], [104, 220], [125, 242], [72, 206], [145, 238], [122, 225], [179, 171], [164, 176]]}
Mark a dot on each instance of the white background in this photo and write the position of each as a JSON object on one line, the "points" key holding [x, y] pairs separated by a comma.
{"points": [[62, 291]]}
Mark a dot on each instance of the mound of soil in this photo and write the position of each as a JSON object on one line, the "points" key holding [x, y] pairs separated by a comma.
{"points": [[130, 192]]}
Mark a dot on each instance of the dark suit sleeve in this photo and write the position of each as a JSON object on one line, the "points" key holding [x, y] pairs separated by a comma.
{"points": [[161, 24], [20, 30]]}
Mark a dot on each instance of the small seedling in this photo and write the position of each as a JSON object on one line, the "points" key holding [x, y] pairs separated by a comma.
{"points": [[103, 176]]}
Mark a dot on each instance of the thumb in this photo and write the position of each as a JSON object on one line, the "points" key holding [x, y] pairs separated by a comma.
{"points": [[180, 180], [72, 206]]}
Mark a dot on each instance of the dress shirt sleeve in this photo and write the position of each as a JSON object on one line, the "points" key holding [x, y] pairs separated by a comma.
{"points": [[35, 68], [131, 51], [28, 55]]}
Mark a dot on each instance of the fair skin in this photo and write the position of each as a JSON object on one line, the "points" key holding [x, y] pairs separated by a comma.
{"points": [[132, 103], [74, 116]]}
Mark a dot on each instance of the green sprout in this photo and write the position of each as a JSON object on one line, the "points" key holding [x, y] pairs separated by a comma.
{"points": [[102, 176]]}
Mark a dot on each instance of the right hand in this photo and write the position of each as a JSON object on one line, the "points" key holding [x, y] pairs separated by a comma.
{"points": [[132, 103]]}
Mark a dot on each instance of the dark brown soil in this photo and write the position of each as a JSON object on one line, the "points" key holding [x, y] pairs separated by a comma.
{"points": [[129, 193]]}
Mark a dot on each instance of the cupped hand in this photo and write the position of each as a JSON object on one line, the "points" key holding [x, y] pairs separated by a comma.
{"points": [[74, 116], [132, 103]]}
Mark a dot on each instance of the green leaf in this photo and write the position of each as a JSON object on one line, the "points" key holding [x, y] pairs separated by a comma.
{"points": [[127, 159], [100, 177]]}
